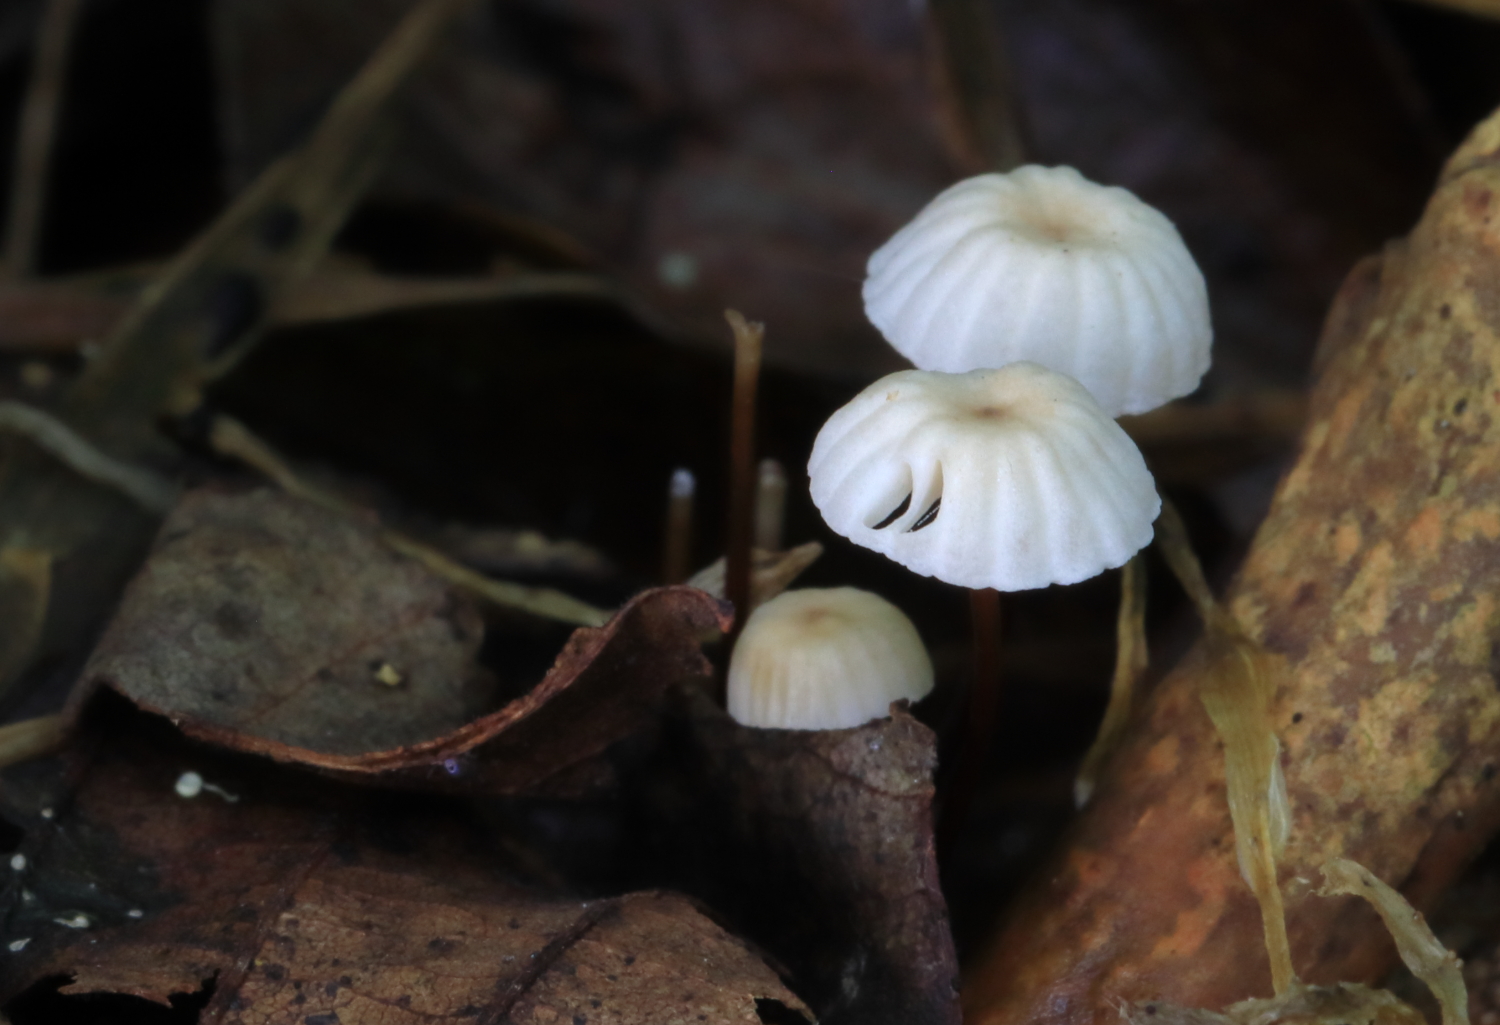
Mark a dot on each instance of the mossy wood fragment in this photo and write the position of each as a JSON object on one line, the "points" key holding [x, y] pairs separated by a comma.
{"points": [[1372, 583]]}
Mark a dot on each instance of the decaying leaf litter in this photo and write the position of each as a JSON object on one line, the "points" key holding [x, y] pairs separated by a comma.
{"points": [[817, 849]]}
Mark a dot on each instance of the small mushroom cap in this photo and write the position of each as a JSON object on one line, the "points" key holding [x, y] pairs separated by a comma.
{"points": [[1042, 264], [825, 659], [1011, 478]]}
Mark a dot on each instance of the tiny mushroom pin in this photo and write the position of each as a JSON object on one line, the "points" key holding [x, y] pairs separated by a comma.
{"points": [[1042, 264], [825, 659], [1008, 479]]}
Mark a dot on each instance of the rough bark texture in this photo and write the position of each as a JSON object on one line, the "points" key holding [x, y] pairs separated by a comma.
{"points": [[1372, 582]]}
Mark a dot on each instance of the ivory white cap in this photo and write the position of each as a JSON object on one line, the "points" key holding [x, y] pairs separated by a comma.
{"points": [[1042, 264], [825, 659], [1037, 485]]}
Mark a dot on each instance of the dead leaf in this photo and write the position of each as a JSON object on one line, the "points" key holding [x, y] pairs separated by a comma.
{"points": [[264, 623], [207, 305], [817, 845], [262, 614], [305, 902], [1371, 582]]}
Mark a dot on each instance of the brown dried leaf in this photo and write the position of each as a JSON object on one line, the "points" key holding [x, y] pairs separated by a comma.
{"points": [[307, 903], [1371, 583], [264, 623], [818, 845]]}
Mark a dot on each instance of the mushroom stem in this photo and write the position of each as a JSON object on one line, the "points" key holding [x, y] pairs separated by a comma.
{"points": [[1131, 659], [677, 540], [770, 506], [747, 349], [979, 720]]}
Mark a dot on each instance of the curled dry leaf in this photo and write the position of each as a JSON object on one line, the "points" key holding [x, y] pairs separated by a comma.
{"points": [[305, 902], [264, 623], [1371, 583], [818, 845]]}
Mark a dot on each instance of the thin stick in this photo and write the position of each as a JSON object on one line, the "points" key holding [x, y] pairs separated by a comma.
{"points": [[150, 491], [32, 738], [979, 723], [1131, 659], [747, 349], [38, 130], [677, 544], [231, 438], [981, 81], [770, 506]]}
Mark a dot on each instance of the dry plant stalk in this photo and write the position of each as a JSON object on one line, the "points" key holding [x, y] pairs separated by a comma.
{"points": [[748, 342], [32, 738], [1370, 587], [231, 438], [1236, 691], [1420, 951], [1132, 656], [149, 490], [38, 130]]}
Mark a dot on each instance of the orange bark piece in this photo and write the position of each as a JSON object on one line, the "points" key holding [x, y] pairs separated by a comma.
{"points": [[1370, 585]]}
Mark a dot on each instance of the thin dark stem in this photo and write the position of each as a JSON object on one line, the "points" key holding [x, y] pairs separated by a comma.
{"points": [[677, 543], [38, 130], [747, 349], [1131, 660], [975, 741], [981, 81]]}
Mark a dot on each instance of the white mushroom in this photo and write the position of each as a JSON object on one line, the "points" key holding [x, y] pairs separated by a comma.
{"points": [[1010, 478], [1041, 264], [825, 659]]}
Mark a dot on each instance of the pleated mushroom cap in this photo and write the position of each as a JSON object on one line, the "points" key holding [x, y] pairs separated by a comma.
{"points": [[1042, 264], [825, 659], [1011, 478]]}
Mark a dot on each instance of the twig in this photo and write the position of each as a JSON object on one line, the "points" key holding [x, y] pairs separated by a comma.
{"points": [[981, 81], [747, 350], [32, 738], [38, 130], [677, 540], [150, 491], [231, 438], [1131, 659]]}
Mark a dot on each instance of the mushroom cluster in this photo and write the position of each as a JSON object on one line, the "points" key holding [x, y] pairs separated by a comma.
{"points": [[1037, 307]]}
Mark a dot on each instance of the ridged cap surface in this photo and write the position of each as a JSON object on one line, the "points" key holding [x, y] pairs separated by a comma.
{"points": [[1042, 264], [825, 659], [1011, 478]]}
